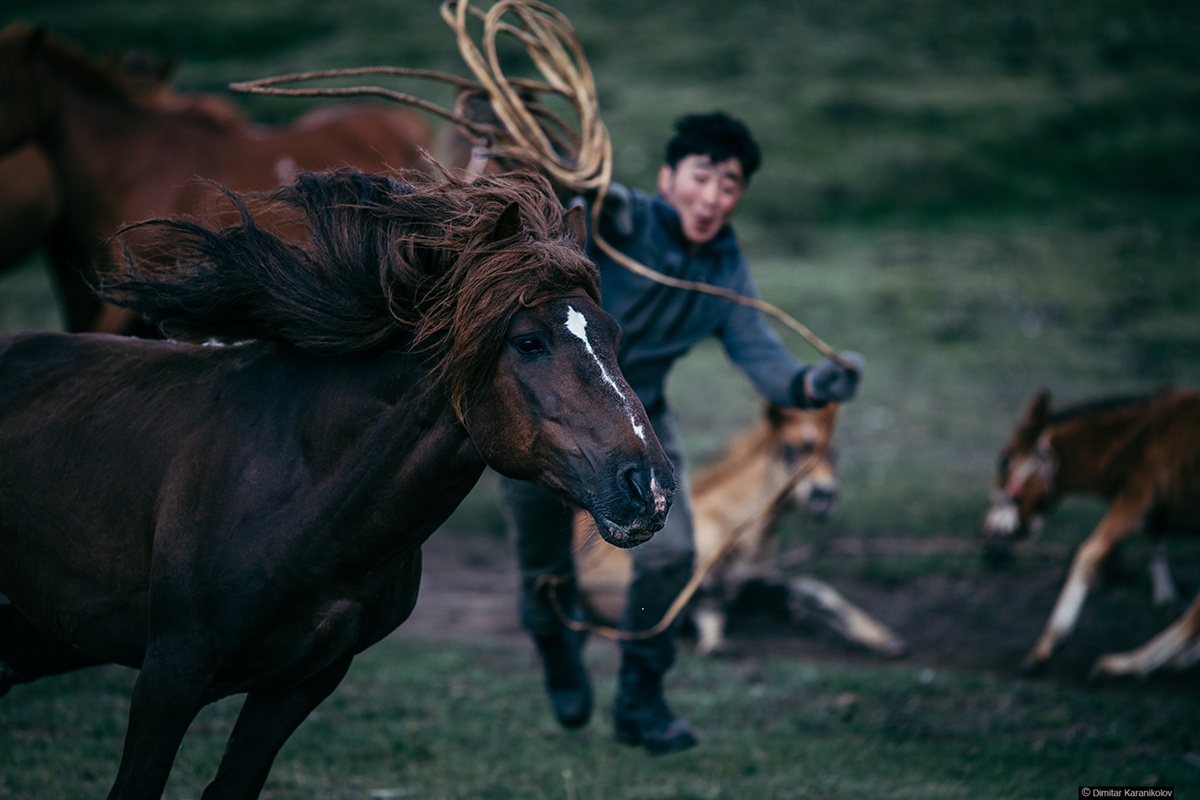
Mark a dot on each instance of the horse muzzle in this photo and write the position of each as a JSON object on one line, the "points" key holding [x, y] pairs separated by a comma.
{"points": [[643, 499], [819, 502], [1002, 526]]}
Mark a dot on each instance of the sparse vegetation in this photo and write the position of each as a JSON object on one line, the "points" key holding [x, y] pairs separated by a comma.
{"points": [[984, 198]]}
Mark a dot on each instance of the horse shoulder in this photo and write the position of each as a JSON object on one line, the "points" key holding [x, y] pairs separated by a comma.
{"points": [[732, 489]]}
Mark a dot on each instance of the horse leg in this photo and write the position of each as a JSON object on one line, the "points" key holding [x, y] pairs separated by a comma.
{"points": [[709, 617], [173, 685], [1122, 518], [267, 719], [27, 653], [854, 624], [1178, 646], [1165, 593]]}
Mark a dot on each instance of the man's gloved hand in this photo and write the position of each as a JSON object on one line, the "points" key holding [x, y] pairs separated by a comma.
{"points": [[618, 209], [829, 382]]}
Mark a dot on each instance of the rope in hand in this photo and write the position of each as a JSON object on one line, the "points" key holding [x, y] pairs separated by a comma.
{"points": [[577, 157]]}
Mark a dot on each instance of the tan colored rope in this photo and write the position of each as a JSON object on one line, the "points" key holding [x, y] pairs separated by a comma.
{"points": [[579, 160], [577, 157]]}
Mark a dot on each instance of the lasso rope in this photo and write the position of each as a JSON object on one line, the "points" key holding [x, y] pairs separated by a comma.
{"points": [[578, 158]]}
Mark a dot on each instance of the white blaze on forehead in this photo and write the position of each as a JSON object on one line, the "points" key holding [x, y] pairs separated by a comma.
{"points": [[577, 325]]}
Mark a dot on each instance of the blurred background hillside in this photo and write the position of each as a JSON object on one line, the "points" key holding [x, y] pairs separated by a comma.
{"points": [[983, 197]]}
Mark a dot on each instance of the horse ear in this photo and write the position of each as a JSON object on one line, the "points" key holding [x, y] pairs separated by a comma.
{"points": [[576, 225], [509, 224], [1037, 414]]}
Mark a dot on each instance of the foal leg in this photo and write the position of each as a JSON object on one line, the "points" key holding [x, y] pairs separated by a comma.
{"points": [[1121, 519], [1177, 646], [854, 624], [267, 719], [1165, 593], [709, 618]]}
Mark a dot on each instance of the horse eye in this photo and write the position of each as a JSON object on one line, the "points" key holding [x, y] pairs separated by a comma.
{"points": [[529, 345], [1002, 465]]}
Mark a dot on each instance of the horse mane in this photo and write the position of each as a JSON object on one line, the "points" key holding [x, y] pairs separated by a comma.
{"points": [[1104, 405], [358, 262], [740, 449], [135, 77]]}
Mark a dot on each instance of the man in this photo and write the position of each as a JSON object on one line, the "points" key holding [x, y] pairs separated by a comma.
{"points": [[683, 232]]}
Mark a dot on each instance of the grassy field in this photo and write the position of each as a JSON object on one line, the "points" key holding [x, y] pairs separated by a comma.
{"points": [[984, 198], [468, 722]]}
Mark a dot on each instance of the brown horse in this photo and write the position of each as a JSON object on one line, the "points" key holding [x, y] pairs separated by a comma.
{"points": [[755, 467], [29, 204], [121, 153], [1140, 454], [248, 517]]}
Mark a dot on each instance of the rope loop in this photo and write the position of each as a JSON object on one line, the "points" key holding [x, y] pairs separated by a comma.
{"points": [[576, 156]]}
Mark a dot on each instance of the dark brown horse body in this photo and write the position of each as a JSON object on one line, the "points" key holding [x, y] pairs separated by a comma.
{"points": [[1140, 454], [247, 517], [122, 154]]}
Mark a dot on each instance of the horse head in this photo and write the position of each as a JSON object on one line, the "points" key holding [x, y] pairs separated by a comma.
{"points": [[798, 435], [559, 412], [1025, 488]]}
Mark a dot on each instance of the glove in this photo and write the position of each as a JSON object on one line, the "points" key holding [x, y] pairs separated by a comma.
{"points": [[829, 382], [618, 209]]}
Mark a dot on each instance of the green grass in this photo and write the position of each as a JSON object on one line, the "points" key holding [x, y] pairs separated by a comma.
{"points": [[469, 721], [984, 198]]}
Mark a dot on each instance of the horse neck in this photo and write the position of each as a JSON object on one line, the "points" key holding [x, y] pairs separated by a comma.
{"points": [[1092, 450], [744, 469], [400, 458], [99, 144]]}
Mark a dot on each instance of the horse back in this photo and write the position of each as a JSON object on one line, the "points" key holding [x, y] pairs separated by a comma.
{"points": [[1170, 460], [1145, 453]]}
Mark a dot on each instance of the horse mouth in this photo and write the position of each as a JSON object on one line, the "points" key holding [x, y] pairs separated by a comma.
{"points": [[626, 536]]}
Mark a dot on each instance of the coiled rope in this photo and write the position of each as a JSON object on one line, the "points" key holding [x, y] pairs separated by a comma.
{"points": [[576, 156]]}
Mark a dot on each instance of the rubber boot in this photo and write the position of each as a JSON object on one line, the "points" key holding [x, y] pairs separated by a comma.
{"points": [[566, 678], [640, 713]]}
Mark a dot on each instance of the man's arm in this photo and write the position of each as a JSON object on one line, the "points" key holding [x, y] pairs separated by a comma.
{"points": [[755, 348]]}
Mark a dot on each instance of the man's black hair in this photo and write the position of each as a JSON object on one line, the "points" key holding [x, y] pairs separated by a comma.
{"points": [[716, 135]]}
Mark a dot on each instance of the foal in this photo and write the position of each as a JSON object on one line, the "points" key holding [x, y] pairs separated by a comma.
{"points": [[1140, 454], [755, 467]]}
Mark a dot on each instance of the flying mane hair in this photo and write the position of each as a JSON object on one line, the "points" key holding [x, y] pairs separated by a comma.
{"points": [[358, 262]]}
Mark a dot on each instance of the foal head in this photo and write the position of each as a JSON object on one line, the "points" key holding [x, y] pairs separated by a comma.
{"points": [[800, 434], [1025, 488]]}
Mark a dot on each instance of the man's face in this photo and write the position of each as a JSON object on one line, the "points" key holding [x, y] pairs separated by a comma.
{"points": [[704, 194]]}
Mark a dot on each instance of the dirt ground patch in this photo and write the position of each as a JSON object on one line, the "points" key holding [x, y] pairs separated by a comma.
{"points": [[984, 620]]}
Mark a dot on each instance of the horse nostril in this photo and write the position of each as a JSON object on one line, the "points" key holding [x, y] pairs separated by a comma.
{"points": [[821, 502], [822, 495], [639, 485]]}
